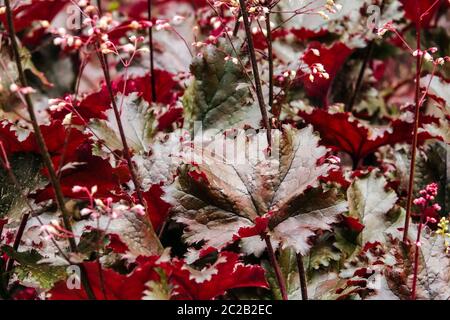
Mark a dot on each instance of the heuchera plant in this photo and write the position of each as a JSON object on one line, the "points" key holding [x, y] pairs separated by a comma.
{"points": [[235, 149]]}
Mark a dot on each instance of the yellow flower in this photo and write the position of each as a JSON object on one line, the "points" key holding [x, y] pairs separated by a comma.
{"points": [[443, 231]]}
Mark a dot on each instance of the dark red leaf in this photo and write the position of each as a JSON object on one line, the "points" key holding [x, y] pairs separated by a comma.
{"points": [[94, 105], [116, 245], [412, 11], [303, 34], [260, 227], [353, 224], [36, 10], [158, 209], [343, 132], [115, 286], [231, 273], [93, 171]]}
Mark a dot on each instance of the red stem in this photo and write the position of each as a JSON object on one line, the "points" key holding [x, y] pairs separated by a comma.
{"points": [[18, 239], [41, 142], [302, 275], [276, 268], [265, 117], [237, 24], [368, 56], [37, 131], [252, 54], [270, 58], [416, 128], [1, 228], [100, 8], [416, 256], [126, 149], [152, 60], [101, 277]]}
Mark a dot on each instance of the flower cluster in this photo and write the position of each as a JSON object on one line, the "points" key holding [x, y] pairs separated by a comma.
{"points": [[443, 231], [427, 196]]}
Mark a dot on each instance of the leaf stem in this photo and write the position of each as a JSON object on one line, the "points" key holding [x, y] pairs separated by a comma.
{"points": [[101, 278], [37, 131], [252, 54], [270, 57], [41, 142], [77, 66], [152, 59], [302, 276], [359, 81], [416, 257], [1, 228], [416, 127], [237, 24], [126, 149], [17, 240], [99, 6], [276, 268]]}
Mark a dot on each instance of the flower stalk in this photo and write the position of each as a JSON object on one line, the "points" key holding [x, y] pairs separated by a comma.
{"points": [[252, 54], [367, 57], [152, 52], [237, 24], [302, 276], [270, 57], [416, 127], [416, 258], [276, 268], [41, 142], [126, 150], [265, 117], [424, 202]]}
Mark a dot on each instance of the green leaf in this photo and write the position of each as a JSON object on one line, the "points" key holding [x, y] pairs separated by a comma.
{"points": [[28, 257], [322, 253], [44, 275], [91, 241], [26, 170], [272, 280], [136, 232], [369, 201], [345, 242], [238, 191], [138, 123], [158, 290], [30, 270], [219, 96], [8, 101], [432, 167], [288, 264], [433, 272]]}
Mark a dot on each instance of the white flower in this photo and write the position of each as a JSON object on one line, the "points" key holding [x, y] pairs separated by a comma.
{"points": [[14, 87]]}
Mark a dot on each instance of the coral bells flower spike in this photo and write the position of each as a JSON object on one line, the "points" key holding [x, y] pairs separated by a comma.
{"points": [[424, 203]]}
